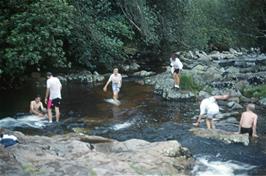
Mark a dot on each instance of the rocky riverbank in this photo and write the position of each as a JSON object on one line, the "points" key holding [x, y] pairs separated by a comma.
{"points": [[74, 154]]}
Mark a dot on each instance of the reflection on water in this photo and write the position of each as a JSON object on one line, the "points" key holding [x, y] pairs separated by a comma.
{"points": [[141, 115]]}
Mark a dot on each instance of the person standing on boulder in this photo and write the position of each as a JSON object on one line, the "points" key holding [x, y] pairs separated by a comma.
{"points": [[210, 108], [53, 96], [248, 121], [116, 79], [176, 67]]}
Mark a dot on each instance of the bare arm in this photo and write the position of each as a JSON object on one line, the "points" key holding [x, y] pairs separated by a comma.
{"points": [[42, 108], [241, 122], [254, 127], [198, 121], [46, 95], [121, 82], [221, 97], [107, 83]]}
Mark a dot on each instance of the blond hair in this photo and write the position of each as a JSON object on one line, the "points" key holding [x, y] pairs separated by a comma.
{"points": [[251, 107]]}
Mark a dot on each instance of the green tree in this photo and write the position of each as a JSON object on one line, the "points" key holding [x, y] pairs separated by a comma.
{"points": [[33, 34], [99, 34]]}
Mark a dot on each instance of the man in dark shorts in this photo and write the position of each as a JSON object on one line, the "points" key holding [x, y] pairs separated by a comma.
{"points": [[53, 96], [248, 121]]}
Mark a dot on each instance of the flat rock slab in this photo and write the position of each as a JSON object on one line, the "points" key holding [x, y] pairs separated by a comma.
{"points": [[70, 155], [224, 136]]}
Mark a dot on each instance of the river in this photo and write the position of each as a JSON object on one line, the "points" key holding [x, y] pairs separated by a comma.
{"points": [[141, 115]]}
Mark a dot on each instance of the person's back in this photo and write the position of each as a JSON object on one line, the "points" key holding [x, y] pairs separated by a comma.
{"points": [[54, 85], [248, 121], [248, 118]]}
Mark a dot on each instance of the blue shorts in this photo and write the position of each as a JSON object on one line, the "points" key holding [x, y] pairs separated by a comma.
{"points": [[115, 87]]}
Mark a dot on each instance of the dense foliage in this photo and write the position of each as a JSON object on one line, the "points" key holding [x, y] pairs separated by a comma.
{"points": [[97, 34]]}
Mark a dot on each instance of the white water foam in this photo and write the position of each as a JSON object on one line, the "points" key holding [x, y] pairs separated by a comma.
{"points": [[122, 125], [31, 121], [219, 168]]}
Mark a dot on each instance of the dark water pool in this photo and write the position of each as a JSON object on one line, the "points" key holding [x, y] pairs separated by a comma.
{"points": [[141, 115]]}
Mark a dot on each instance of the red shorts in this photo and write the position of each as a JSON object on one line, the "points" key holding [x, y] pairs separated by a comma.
{"points": [[49, 104]]}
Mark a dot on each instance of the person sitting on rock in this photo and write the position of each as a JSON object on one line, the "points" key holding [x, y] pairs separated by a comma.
{"points": [[210, 108], [176, 67], [36, 107], [116, 80], [248, 121]]}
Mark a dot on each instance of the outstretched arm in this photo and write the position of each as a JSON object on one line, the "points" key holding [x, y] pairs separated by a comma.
{"points": [[221, 97], [198, 121], [105, 87]]}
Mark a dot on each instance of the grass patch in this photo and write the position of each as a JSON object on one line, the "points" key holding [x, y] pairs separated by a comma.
{"points": [[187, 83], [254, 91], [32, 170]]}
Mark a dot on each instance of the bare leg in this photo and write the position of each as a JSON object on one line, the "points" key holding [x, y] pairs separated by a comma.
{"points": [[177, 80], [57, 114], [174, 75], [49, 115], [208, 123], [213, 125], [115, 95]]}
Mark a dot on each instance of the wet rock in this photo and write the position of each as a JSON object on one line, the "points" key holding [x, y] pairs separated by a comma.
{"points": [[131, 67], [223, 55], [225, 136], [83, 77], [74, 154], [175, 94], [234, 105], [143, 73], [164, 86], [226, 115]]}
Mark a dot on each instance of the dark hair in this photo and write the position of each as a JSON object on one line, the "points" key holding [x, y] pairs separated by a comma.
{"points": [[174, 56], [49, 74], [38, 96]]}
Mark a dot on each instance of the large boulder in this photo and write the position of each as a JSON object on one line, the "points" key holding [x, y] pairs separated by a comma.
{"points": [[164, 85], [221, 135], [74, 154]]}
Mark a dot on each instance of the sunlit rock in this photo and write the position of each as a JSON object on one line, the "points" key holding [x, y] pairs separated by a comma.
{"points": [[225, 136]]}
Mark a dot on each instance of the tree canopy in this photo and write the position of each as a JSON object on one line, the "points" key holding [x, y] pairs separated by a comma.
{"points": [[97, 34]]}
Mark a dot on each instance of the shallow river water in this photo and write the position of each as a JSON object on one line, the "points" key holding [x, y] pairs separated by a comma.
{"points": [[141, 115]]}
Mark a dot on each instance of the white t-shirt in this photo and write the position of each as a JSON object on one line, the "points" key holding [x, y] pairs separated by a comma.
{"points": [[176, 64], [116, 79], [209, 106], [54, 85]]}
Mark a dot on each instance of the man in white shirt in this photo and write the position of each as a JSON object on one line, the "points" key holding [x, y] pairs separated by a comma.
{"points": [[116, 80], [209, 108], [53, 96], [176, 67]]}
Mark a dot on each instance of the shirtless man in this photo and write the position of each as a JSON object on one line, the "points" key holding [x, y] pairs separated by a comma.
{"points": [[36, 107], [210, 108], [248, 121], [116, 80]]}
